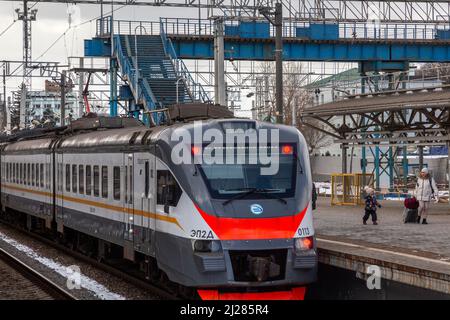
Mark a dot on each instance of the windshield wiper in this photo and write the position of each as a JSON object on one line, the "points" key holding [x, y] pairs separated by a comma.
{"points": [[263, 191]]}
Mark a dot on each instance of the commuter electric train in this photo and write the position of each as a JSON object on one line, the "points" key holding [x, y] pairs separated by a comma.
{"points": [[111, 187]]}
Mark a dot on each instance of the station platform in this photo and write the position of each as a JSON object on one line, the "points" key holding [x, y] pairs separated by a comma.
{"points": [[412, 254]]}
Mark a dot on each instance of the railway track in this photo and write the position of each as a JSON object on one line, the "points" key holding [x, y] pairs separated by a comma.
{"points": [[132, 279], [41, 286]]}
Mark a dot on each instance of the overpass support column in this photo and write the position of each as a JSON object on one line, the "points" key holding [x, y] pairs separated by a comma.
{"points": [[363, 151], [219, 64], [405, 169], [344, 158], [113, 88], [420, 157]]}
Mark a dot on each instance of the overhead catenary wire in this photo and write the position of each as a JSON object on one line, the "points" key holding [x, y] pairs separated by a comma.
{"points": [[8, 27], [12, 23], [65, 32]]}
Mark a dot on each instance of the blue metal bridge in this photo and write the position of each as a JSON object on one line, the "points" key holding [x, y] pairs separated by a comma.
{"points": [[303, 41], [149, 53]]}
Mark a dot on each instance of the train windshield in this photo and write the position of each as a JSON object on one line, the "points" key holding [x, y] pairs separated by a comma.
{"points": [[228, 179]]}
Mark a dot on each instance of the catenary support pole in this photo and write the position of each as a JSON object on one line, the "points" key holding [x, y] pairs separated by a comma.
{"points": [[219, 63], [63, 97], [279, 60]]}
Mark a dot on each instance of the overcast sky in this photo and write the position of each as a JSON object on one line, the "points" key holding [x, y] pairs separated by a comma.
{"points": [[53, 21]]}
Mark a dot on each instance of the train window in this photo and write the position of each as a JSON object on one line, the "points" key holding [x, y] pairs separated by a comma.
{"points": [[169, 192], [88, 181], [96, 181], [130, 189], [41, 175], [104, 181], [126, 184], [48, 175], [116, 183], [28, 174], [74, 178], [81, 179], [129, 184], [34, 174], [60, 176], [68, 177], [147, 178]]}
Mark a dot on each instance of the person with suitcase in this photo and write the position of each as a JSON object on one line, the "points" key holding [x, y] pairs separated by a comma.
{"points": [[371, 206], [426, 190]]}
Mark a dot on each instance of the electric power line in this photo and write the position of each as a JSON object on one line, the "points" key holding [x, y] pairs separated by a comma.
{"points": [[64, 33], [7, 28]]}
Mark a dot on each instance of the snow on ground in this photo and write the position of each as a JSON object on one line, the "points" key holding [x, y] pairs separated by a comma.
{"points": [[323, 188], [89, 284]]}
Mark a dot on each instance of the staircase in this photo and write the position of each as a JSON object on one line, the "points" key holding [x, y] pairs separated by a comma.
{"points": [[159, 71]]}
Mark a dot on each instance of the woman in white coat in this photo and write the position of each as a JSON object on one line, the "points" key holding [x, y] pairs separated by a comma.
{"points": [[426, 190]]}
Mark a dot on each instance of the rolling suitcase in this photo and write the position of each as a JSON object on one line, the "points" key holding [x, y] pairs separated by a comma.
{"points": [[410, 215]]}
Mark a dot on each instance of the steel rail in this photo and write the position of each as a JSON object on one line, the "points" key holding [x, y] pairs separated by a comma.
{"points": [[36, 277]]}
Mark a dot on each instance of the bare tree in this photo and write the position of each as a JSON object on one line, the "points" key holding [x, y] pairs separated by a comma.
{"points": [[295, 99]]}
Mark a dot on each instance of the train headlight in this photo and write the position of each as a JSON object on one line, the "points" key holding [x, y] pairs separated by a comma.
{"points": [[304, 244], [206, 245]]}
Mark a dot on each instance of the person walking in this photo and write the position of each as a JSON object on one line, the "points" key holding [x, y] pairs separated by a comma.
{"points": [[425, 191], [371, 206]]}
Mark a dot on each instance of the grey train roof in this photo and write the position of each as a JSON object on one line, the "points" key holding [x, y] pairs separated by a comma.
{"points": [[134, 135], [29, 145]]}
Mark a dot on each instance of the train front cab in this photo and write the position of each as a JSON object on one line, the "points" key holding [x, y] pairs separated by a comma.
{"points": [[235, 243]]}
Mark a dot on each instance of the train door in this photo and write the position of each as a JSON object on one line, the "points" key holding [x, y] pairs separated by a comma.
{"points": [[59, 191], [45, 183], [144, 195], [128, 217]]}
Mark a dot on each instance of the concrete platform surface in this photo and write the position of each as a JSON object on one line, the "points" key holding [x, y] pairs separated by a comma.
{"points": [[345, 223], [413, 254]]}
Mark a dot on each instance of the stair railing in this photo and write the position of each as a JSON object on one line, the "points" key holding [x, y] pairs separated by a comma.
{"points": [[130, 71], [195, 89]]}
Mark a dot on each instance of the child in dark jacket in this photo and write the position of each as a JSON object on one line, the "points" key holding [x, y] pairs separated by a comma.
{"points": [[371, 206]]}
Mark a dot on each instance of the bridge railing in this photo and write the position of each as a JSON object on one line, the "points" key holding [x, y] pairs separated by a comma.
{"points": [[127, 68], [291, 29]]}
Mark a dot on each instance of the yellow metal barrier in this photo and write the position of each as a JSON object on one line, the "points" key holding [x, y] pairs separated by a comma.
{"points": [[348, 188]]}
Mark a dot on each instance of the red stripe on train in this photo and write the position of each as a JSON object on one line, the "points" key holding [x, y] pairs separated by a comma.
{"points": [[293, 294], [254, 228]]}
